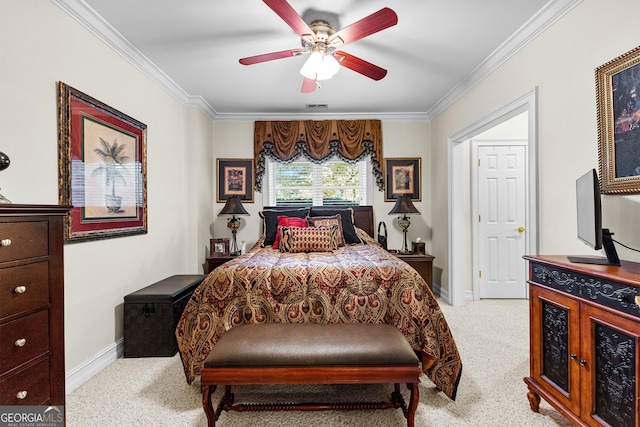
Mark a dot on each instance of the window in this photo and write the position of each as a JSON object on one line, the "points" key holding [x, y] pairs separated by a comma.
{"points": [[333, 182]]}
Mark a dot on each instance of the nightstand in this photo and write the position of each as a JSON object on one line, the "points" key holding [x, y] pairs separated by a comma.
{"points": [[423, 263], [217, 261]]}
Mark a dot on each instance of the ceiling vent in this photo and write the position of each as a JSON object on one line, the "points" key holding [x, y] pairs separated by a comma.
{"points": [[317, 106]]}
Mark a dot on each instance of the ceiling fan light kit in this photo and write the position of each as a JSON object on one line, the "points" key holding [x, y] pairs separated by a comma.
{"points": [[321, 41], [320, 66]]}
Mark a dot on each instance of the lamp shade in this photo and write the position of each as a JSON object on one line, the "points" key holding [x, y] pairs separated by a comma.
{"points": [[404, 205], [233, 207]]}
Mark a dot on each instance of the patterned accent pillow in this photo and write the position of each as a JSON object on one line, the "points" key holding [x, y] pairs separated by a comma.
{"points": [[287, 221], [347, 215], [309, 239], [328, 221]]}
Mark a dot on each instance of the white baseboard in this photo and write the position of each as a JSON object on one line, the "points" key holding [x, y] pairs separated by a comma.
{"points": [[83, 373], [439, 292], [444, 295]]}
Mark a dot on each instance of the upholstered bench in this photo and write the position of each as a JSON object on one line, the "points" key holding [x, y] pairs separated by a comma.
{"points": [[276, 353]]}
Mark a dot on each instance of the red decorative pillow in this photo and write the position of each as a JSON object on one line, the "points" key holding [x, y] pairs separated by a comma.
{"points": [[286, 221], [309, 239]]}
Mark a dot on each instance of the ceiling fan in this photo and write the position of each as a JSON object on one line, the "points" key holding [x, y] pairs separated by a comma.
{"points": [[322, 41]]}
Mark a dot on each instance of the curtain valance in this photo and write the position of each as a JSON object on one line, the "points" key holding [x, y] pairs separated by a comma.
{"points": [[318, 140]]}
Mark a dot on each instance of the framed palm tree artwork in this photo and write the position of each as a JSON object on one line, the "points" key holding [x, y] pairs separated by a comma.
{"points": [[102, 168]]}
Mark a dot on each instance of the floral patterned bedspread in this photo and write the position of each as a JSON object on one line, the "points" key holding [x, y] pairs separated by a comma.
{"points": [[358, 283]]}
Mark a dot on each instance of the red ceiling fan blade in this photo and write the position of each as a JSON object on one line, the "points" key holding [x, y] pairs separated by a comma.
{"points": [[360, 65], [271, 56], [308, 85], [290, 16], [377, 21]]}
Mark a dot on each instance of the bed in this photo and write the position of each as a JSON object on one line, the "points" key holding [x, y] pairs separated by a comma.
{"points": [[356, 283]]}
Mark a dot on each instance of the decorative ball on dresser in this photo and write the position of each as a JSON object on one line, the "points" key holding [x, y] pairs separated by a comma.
{"points": [[4, 163]]}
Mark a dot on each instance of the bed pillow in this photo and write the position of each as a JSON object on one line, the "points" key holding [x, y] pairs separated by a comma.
{"points": [[287, 221], [328, 221], [346, 215], [270, 222], [308, 239]]}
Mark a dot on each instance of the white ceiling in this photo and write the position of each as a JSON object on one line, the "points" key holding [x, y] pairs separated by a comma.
{"points": [[438, 50]]}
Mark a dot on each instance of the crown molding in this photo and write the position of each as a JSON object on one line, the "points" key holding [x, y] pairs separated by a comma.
{"points": [[98, 26], [546, 17], [321, 116], [201, 104]]}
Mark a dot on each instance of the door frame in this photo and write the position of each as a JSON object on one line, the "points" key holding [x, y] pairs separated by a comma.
{"points": [[475, 204], [460, 260]]}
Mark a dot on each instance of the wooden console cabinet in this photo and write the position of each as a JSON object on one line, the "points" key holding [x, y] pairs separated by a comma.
{"points": [[585, 340], [32, 305]]}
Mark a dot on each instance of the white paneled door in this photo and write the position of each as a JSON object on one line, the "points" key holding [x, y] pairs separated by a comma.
{"points": [[501, 228]]}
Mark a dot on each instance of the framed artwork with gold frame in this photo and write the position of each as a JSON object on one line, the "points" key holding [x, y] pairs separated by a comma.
{"points": [[618, 102]]}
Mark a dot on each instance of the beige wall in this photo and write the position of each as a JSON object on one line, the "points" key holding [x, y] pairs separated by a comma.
{"points": [[40, 46], [400, 139], [561, 63]]}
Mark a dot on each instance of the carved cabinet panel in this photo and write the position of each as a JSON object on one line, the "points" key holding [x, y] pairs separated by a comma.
{"points": [[610, 348], [555, 319], [585, 341]]}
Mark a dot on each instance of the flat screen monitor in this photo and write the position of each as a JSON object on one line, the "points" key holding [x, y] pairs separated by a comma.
{"points": [[589, 218]]}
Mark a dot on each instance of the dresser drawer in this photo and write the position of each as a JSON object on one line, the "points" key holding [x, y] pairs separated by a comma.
{"points": [[23, 339], [34, 381], [24, 288], [616, 295], [28, 240]]}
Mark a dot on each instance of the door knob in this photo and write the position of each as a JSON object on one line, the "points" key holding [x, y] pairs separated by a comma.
{"points": [[520, 229]]}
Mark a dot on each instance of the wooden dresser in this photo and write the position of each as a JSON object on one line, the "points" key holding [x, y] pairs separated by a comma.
{"points": [[32, 305], [585, 340]]}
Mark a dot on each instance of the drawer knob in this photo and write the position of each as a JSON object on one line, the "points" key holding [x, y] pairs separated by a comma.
{"points": [[5, 242], [20, 289], [21, 342], [21, 394]]}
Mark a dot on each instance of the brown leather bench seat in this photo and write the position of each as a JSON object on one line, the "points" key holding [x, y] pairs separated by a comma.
{"points": [[277, 353]]}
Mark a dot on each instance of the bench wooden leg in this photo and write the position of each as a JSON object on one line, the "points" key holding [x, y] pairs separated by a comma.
{"points": [[413, 403], [207, 391]]}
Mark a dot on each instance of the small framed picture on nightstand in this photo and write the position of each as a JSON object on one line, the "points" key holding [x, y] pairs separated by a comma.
{"points": [[219, 247]]}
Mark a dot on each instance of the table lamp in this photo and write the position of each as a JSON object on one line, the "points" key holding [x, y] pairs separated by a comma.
{"points": [[404, 206], [233, 207]]}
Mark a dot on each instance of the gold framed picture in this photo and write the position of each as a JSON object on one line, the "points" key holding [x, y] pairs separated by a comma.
{"points": [[618, 102]]}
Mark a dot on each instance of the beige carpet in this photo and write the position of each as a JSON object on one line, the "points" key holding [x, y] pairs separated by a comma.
{"points": [[492, 336]]}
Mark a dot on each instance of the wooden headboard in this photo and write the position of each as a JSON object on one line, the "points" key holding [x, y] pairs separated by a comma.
{"points": [[362, 215]]}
